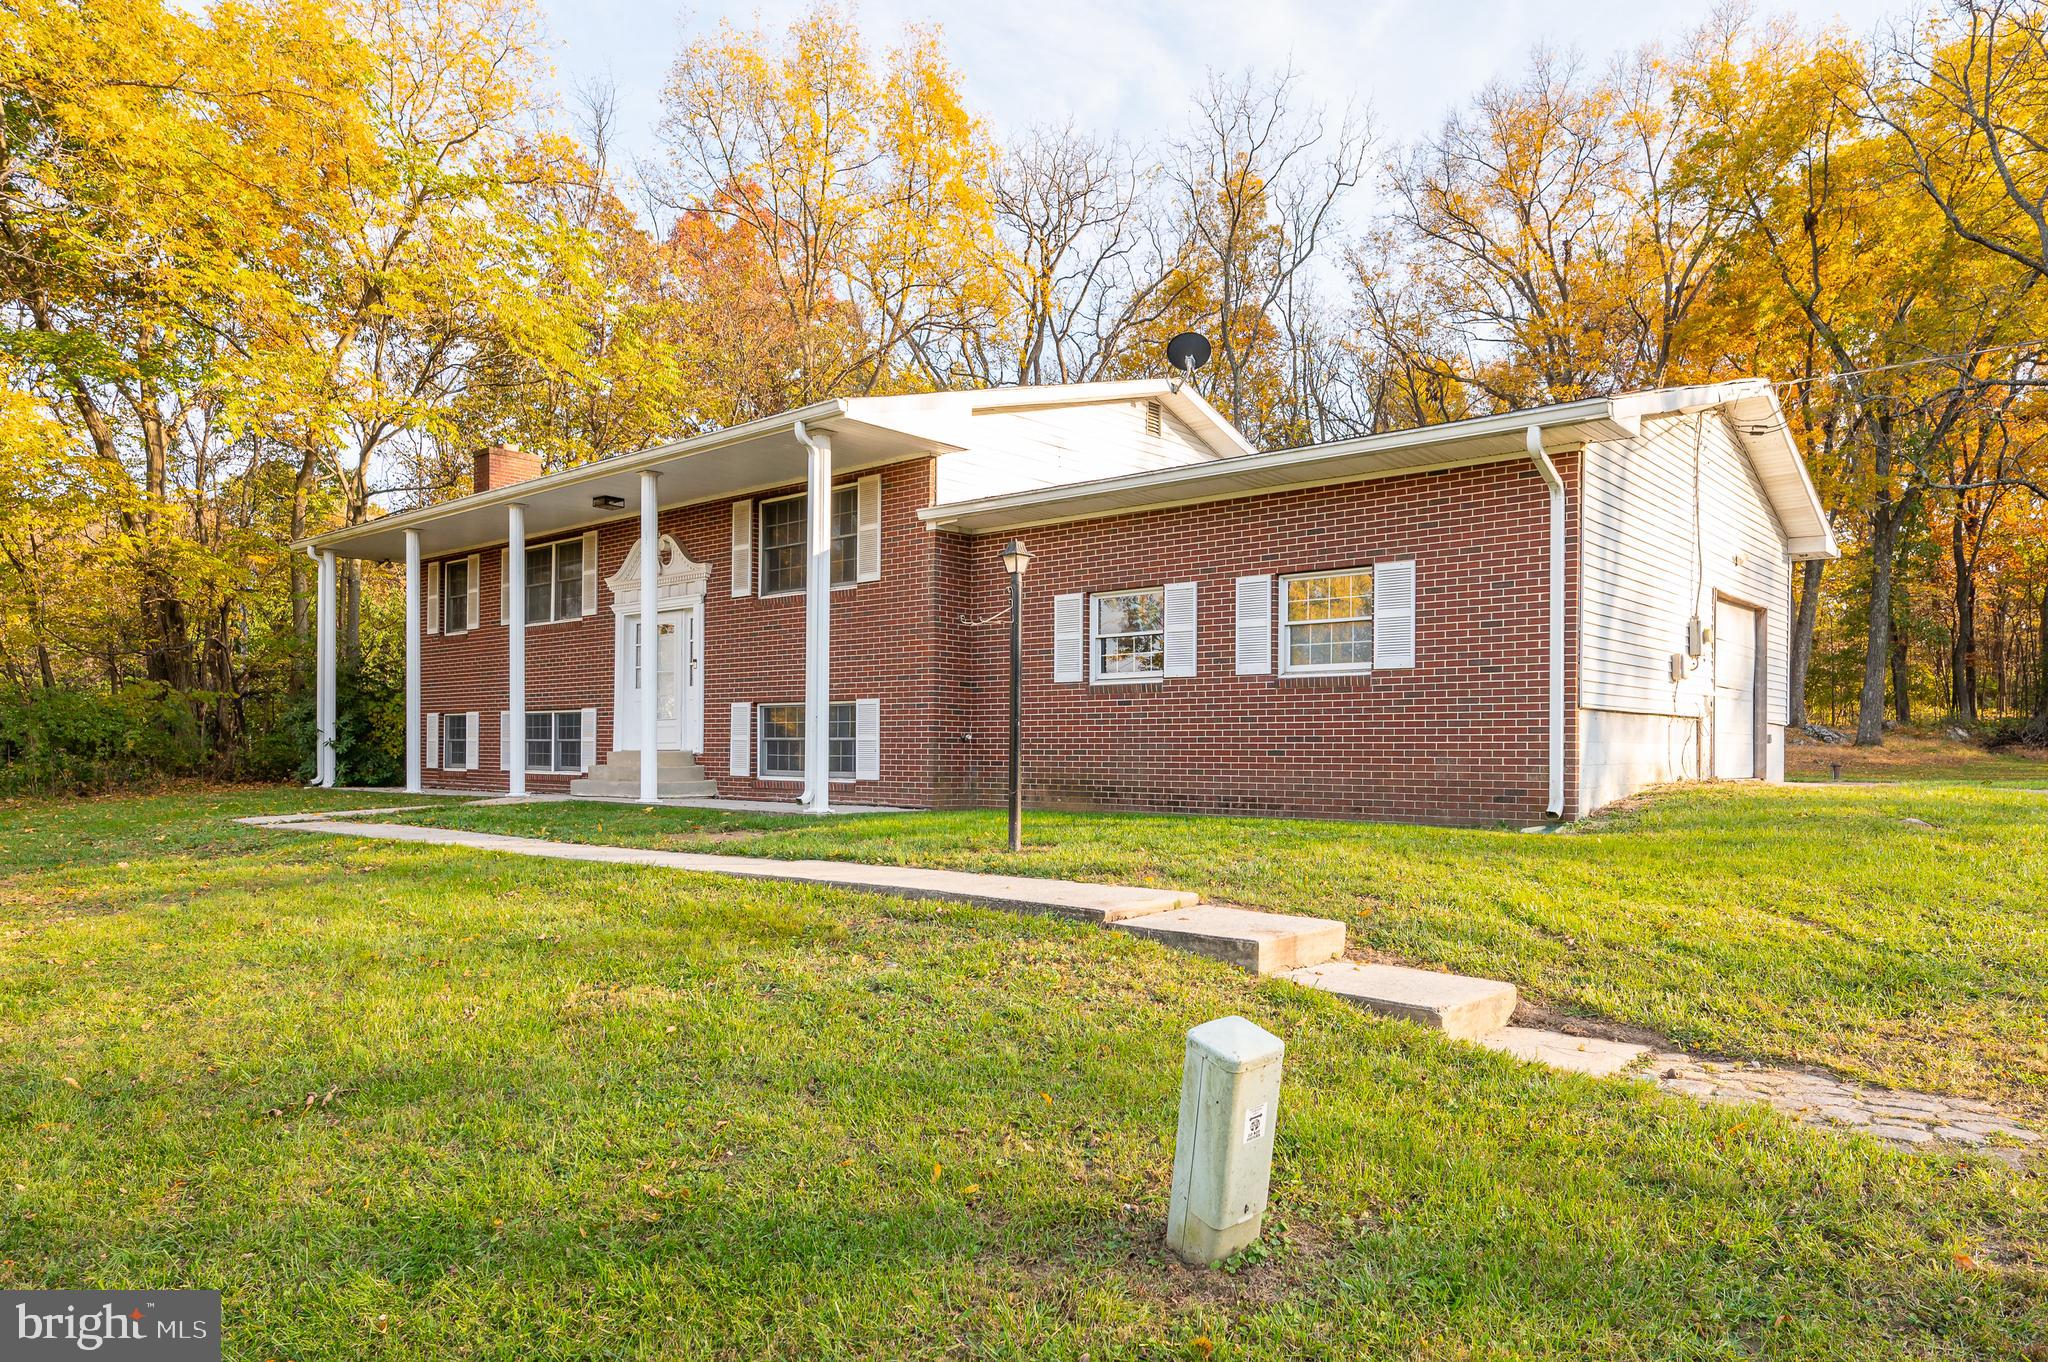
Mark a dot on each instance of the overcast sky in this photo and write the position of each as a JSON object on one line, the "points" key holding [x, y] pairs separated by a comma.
{"points": [[1129, 66]]}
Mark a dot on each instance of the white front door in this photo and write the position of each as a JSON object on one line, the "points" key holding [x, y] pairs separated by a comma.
{"points": [[678, 708], [1734, 692]]}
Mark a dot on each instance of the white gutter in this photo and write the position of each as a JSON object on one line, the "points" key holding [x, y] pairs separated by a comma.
{"points": [[1554, 805]]}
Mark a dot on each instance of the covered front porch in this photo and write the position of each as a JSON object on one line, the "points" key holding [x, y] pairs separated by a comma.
{"points": [[654, 601]]}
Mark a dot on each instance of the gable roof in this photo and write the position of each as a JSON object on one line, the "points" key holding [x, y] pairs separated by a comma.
{"points": [[758, 456], [1750, 406]]}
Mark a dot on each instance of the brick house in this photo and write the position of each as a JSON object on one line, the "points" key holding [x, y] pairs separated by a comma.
{"points": [[1497, 619]]}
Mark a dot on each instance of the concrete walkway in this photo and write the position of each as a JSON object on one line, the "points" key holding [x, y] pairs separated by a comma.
{"points": [[1305, 950]]}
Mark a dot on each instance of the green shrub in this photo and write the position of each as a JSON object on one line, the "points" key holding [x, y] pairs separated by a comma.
{"points": [[60, 741]]}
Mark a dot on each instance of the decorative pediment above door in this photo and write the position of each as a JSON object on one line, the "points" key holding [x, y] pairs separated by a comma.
{"points": [[679, 581]]}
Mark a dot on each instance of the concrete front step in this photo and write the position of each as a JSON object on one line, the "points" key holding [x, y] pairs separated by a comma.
{"points": [[678, 775], [1458, 1006], [1261, 943]]}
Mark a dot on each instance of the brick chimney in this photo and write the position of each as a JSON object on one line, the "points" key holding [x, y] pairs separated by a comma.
{"points": [[502, 465]]}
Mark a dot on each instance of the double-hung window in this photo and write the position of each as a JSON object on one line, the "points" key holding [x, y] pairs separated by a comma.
{"points": [[554, 582], [455, 597], [782, 742], [782, 541], [455, 741], [1129, 635], [1326, 622], [554, 740]]}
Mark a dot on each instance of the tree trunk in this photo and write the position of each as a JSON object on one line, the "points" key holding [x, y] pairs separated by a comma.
{"points": [[299, 567], [1803, 621], [1902, 677], [1963, 660], [1884, 534], [2041, 656]]}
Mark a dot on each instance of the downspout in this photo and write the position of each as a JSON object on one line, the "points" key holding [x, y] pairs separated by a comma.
{"points": [[1554, 805]]}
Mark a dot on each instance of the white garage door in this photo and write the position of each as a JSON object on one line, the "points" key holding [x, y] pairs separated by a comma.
{"points": [[1734, 692]]}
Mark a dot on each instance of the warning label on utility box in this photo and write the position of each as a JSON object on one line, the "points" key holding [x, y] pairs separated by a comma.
{"points": [[1254, 1124]]}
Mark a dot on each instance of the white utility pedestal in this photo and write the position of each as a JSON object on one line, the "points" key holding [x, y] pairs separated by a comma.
{"points": [[1223, 1153]]}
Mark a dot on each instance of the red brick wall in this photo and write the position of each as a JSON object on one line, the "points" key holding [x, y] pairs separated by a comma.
{"points": [[1459, 738], [884, 646]]}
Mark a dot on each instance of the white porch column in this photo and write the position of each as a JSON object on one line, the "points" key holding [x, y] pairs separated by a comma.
{"points": [[323, 682], [650, 637], [818, 623], [514, 587], [412, 662]]}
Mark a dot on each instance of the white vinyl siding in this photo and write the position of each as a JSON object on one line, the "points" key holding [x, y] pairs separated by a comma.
{"points": [[1326, 622], [1013, 451], [1642, 579], [782, 741], [1253, 643], [1127, 636]]}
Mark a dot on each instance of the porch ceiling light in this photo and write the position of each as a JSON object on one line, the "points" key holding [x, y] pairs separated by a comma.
{"points": [[605, 501]]}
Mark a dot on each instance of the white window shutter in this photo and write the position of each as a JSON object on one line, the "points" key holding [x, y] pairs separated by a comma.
{"points": [[742, 550], [474, 741], [867, 740], [476, 590], [1393, 614], [868, 517], [589, 584], [433, 598], [1066, 638], [741, 738], [1254, 626], [1180, 629], [589, 739], [505, 585], [504, 740], [433, 753]]}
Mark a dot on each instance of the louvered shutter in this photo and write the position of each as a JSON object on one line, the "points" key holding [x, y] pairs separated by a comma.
{"points": [[470, 756], [504, 740], [743, 548], [1393, 614], [505, 585], [1180, 629], [476, 589], [433, 752], [589, 586], [867, 740], [868, 516], [740, 739], [1066, 638], [589, 753], [1254, 644], [433, 598]]}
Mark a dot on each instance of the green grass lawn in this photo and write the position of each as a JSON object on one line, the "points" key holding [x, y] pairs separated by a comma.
{"points": [[1785, 923], [1920, 754], [420, 1103]]}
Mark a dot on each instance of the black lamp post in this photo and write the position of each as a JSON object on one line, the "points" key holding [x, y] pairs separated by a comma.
{"points": [[1015, 559]]}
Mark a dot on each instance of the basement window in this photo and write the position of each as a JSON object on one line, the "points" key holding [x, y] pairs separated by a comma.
{"points": [[455, 740], [782, 742], [554, 741]]}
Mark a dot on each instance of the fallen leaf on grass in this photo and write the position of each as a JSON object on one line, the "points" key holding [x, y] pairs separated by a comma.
{"points": [[74, 1082]]}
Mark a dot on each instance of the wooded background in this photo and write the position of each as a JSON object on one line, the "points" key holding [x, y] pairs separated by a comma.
{"points": [[273, 267]]}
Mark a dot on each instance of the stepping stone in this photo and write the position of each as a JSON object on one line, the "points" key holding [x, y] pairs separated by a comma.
{"points": [[1452, 1003], [1261, 943], [1573, 1054]]}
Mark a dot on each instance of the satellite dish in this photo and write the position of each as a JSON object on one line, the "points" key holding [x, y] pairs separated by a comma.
{"points": [[1188, 352]]}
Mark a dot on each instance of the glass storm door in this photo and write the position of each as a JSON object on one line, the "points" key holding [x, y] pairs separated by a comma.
{"points": [[675, 676]]}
